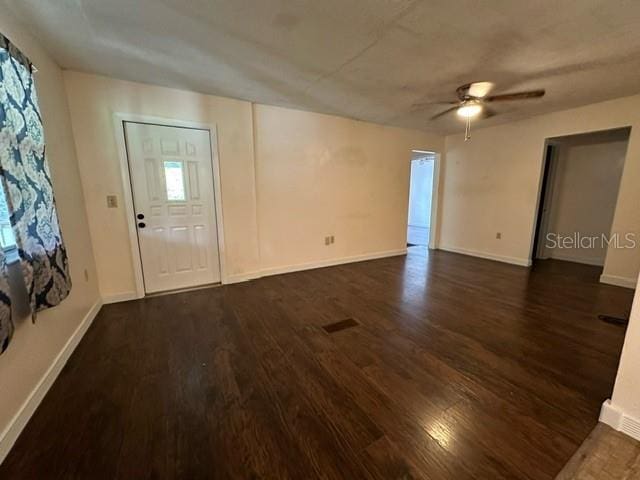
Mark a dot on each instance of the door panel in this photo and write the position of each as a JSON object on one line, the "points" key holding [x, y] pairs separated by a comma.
{"points": [[172, 183]]}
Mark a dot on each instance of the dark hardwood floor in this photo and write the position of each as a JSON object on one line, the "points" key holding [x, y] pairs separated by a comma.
{"points": [[452, 368]]}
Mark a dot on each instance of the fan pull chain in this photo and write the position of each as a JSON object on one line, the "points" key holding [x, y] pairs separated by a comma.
{"points": [[467, 130]]}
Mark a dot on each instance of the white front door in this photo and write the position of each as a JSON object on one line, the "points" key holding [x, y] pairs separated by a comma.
{"points": [[172, 182]]}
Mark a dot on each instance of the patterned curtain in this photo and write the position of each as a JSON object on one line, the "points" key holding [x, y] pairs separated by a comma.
{"points": [[25, 176]]}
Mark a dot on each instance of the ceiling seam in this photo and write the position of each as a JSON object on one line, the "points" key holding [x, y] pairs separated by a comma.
{"points": [[379, 36]]}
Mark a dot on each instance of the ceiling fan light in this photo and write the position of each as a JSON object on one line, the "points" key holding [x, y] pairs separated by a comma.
{"points": [[469, 110]]}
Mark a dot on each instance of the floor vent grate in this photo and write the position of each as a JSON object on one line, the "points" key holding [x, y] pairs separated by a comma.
{"points": [[613, 320], [341, 325]]}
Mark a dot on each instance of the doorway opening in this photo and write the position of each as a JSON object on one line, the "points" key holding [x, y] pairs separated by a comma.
{"points": [[578, 196], [421, 188]]}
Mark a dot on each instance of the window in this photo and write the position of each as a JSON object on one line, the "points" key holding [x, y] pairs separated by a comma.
{"points": [[7, 238], [174, 180]]}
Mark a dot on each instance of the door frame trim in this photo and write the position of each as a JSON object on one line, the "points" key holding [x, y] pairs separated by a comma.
{"points": [[119, 118]]}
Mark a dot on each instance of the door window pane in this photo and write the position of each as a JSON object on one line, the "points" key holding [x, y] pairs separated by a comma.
{"points": [[174, 180]]}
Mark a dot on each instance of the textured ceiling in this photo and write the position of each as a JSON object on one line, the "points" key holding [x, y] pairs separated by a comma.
{"points": [[365, 59]]}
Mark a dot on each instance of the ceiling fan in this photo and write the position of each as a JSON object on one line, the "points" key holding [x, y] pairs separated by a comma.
{"points": [[474, 99]]}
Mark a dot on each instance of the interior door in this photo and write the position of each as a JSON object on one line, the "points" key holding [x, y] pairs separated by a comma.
{"points": [[172, 182]]}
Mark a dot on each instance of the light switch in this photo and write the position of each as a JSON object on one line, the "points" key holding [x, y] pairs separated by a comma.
{"points": [[112, 201]]}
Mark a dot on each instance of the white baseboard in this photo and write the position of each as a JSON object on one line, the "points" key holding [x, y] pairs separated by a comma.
{"points": [[241, 277], [331, 262], [523, 262], [618, 281], [618, 420], [10, 434], [585, 261], [119, 297], [244, 277]]}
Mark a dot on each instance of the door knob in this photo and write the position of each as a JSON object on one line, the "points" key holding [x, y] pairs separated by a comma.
{"points": [[142, 224], [140, 216]]}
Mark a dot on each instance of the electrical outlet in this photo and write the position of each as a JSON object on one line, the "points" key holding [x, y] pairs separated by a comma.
{"points": [[327, 240], [333, 240], [498, 235], [112, 201]]}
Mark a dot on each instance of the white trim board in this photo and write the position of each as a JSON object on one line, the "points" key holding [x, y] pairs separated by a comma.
{"points": [[620, 421], [331, 262], [10, 434], [132, 295], [120, 297], [618, 281], [584, 261], [242, 277], [434, 219], [523, 262]]}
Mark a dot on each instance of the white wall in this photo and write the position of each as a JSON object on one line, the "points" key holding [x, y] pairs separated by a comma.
{"points": [[420, 192], [622, 412], [35, 346], [491, 184], [289, 178], [584, 195], [321, 175], [626, 393], [93, 100]]}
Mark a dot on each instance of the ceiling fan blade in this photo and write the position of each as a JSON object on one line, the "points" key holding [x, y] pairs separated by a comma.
{"points": [[474, 89], [448, 110], [480, 89], [515, 96], [487, 112]]}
